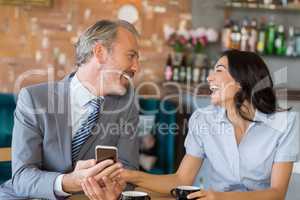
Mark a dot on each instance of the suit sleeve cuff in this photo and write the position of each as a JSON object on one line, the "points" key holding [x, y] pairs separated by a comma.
{"points": [[58, 187]]}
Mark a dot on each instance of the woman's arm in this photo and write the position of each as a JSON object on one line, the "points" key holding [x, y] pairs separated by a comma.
{"points": [[281, 173], [185, 175]]}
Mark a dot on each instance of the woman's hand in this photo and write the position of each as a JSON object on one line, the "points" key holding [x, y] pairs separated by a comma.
{"points": [[109, 189], [126, 175], [205, 195]]}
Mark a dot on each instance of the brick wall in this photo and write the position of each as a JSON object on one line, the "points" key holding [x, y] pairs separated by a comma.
{"points": [[36, 43]]}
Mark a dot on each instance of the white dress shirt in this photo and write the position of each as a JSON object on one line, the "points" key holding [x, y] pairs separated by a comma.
{"points": [[79, 98]]}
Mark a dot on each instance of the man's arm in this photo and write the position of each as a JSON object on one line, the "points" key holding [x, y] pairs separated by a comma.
{"points": [[27, 178]]}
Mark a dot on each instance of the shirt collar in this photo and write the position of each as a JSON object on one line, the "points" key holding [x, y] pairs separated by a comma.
{"points": [[81, 94], [259, 116], [277, 121], [221, 114]]}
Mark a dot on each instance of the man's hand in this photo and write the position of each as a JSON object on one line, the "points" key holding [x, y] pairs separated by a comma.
{"points": [[110, 190], [84, 169]]}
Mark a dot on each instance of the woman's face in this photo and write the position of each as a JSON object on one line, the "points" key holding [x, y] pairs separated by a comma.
{"points": [[221, 83]]}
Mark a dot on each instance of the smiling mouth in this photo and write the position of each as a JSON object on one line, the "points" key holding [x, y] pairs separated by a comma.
{"points": [[128, 74], [214, 88]]}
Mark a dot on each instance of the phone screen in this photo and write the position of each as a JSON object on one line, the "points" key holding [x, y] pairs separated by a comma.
{"points": [[103, 153]]}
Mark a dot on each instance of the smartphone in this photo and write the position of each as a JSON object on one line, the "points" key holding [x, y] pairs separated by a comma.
{"points": [[106, 152]]}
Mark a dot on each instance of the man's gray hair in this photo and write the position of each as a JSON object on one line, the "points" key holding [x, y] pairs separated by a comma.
{"points": [[104, 32]]}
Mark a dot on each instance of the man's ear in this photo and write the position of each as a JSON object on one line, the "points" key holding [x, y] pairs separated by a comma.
{"points": [[100, 53]]}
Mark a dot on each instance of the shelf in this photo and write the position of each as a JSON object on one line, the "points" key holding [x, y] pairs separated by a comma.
{"points": [[261, 7], [279, 57], [202, 89], [275, 56]]}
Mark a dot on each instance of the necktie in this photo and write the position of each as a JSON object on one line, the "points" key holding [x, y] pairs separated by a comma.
{"points": [[84, 132]]}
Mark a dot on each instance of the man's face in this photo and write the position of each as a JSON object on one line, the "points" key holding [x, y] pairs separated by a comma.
{"points": [[121, 64]]}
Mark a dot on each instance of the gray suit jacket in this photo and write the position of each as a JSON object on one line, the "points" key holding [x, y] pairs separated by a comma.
{"points": [[41, 144]]}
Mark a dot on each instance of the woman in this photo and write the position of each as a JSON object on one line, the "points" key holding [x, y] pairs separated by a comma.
{"points": [[248, 142]]}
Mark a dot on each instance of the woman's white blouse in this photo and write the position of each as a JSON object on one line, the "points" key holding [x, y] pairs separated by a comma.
{"points": [[247, 166]]}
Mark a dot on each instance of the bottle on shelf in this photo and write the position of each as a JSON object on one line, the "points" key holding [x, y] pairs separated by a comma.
{"points": [[245, 35], [291, 43], [226, 35], [262, 36], [268, 2], [204, 74], [235, 37], [196, 70], [168, 69], [284, 2], [176, 66], [205, 70], [297, 35], [280, 48], [237, 3], [271, 33], [189, 73], [176, 74], [252, 3], [253, 36], [182, 70], [196, 75]]}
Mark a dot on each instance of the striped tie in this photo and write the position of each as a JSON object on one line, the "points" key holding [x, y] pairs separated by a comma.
{"points": [[84, 132]]}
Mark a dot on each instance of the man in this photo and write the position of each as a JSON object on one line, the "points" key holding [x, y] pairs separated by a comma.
{"points": [[58, 125]]}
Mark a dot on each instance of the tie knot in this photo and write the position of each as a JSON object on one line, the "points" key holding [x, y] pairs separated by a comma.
{"points": [[96, 103]]}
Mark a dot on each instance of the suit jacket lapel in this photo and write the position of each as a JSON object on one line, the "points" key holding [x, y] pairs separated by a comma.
{"points": [[63, 117]]}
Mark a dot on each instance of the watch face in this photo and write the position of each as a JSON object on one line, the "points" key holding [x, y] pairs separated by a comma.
{"points": [[128, 12]]}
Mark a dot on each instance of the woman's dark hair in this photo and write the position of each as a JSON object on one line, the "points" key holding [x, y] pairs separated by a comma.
{"points": [[253, 75]]}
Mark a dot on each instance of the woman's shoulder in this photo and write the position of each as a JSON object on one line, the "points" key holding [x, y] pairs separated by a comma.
{"points": [[280, 116], [281, 120]]}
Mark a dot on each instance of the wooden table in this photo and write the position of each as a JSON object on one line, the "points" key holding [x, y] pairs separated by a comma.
{"points": [[153, 195]]}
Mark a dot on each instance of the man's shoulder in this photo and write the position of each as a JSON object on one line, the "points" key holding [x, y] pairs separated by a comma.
{"points": [[40, 94], [37, 88], [45, 87]]}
